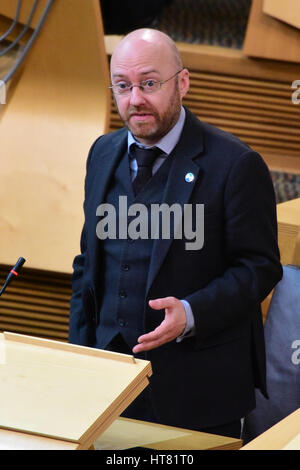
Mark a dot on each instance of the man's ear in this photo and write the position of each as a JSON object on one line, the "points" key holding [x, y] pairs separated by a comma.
{"points": [[184, 82]]}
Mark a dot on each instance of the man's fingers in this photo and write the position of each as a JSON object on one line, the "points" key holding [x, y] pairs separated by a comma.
{"points": [[154, 339], [154, 335], [170, 328], [166, 302], [147, 345]]}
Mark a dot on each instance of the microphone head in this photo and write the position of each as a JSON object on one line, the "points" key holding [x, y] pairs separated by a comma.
{"points": [[13, 273], [19, 264]]}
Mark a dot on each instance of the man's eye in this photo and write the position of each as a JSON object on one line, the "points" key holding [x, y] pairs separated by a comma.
{"points": [[150, 83], [122, 86]]}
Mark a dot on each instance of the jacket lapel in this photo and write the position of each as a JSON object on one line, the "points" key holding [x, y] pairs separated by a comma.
{"points": [[178, 189], [103, 168], [106, 164]]}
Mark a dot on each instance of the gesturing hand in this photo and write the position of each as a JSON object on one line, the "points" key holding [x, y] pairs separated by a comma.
{"points": [[170, 328]]}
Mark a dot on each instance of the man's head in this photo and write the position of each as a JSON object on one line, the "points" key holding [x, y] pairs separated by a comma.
{"points": [[148, 54]]}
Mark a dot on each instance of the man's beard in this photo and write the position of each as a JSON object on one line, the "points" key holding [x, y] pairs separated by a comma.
{"points": [[153, 132]]}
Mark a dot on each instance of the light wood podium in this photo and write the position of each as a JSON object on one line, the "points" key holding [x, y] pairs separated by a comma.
{"points": [[59, 396]]}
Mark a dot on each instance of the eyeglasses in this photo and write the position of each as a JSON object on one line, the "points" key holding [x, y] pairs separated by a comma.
{"points": [[147, 86]]}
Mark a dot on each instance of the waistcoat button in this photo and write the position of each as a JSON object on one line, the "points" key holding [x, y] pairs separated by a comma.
{"points": [[123, 294]]}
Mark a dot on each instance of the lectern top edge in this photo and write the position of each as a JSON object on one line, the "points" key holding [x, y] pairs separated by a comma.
{"points": [[59, 345]]}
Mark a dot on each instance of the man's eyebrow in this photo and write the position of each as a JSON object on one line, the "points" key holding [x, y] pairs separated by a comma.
{"points": [[146, 72], [118, 75]]}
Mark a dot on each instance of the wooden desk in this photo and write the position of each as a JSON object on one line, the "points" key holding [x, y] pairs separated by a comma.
{"points": [[126, 433], [13, 440], [288, 216], [284, 435]]}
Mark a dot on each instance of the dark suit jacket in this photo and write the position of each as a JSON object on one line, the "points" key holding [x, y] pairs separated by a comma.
{"points": [[208, 379]]}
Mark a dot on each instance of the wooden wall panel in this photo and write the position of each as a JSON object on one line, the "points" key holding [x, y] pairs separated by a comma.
{"points": [[58, 107], [268, 38], [36, 303], [287, 11]]}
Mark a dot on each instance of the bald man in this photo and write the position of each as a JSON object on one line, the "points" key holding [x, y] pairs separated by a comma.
{"points": [[178, 249]]}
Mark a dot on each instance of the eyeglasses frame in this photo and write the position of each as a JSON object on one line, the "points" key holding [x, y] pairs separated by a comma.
{"points": [[161, 82]]}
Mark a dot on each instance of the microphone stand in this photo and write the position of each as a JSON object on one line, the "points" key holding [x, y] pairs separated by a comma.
{"points": [[14, 272]]}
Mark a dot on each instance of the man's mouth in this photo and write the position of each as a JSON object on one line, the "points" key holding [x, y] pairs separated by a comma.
{"points": [[141, 116]]}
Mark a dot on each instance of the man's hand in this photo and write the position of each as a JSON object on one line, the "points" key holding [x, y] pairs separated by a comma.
{"points": [[170, 328]]}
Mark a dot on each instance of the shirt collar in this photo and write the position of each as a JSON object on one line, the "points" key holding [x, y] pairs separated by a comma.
{"points": [[168, 141]]}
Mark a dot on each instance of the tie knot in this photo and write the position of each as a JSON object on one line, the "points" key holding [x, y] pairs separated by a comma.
{"points": [[145, 157]]}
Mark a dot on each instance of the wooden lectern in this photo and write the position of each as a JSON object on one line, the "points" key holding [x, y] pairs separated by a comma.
{"points": [[60, 396]]}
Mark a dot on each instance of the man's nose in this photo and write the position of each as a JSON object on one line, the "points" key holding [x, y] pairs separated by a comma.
{"points": [[137, 96]]}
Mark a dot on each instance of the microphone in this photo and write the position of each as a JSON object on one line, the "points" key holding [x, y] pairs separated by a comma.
{"points": [[13, 273]]}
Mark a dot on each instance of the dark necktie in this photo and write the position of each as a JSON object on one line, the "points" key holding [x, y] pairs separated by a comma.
{"points": [[145, 159]]}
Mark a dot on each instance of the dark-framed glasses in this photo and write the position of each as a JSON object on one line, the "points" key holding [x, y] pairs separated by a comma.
{"points": [[147, 86]]}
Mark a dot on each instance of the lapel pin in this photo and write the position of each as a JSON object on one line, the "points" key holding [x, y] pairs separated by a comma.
{"points": [[189, 177]]}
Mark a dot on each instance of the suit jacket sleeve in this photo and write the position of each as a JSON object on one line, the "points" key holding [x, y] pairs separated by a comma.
{"points": [[250, 243], [77, 321]]}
